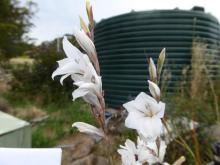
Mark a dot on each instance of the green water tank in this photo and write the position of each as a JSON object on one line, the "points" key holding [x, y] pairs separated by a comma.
{"points": [[124, 42]]}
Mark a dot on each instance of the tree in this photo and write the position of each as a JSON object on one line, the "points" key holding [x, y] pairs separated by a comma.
{"points": [[14, 23]]}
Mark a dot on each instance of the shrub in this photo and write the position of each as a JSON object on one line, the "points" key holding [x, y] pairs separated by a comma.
{"points": [[34, 81]]}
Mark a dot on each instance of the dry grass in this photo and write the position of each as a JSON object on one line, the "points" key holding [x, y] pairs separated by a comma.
{"points": [[28, 113], [21, 61], [198, 63], [198, 101], [202, 69], [4, 105]]}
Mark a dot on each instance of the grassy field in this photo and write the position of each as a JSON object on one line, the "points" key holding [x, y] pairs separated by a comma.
{"points": [[58, 123]]}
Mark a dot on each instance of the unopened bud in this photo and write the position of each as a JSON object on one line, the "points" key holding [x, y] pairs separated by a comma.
{"points": [[88, 6], [161, 60], [154, 90], [152, 70], [83, 25], [180, 161], [90, 14]]}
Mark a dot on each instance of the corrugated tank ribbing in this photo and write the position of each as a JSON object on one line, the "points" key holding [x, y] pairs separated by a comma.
{"points": [[124, 42]]}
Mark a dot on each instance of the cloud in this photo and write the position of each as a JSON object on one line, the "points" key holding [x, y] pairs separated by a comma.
{"points": [[56, 17]]}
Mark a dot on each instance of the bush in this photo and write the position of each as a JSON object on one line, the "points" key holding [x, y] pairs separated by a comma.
{"points": [[34, 81]]}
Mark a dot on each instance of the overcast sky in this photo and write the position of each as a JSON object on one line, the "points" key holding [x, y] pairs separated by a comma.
{"points": [[57, 17]]}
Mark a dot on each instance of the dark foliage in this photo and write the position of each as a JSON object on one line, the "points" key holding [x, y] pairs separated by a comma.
{"points": [[35, 82], [14, 23]]}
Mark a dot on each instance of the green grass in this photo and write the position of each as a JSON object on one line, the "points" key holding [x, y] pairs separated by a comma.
{"points": [[59, 123], [16, 102], [60, 120]]}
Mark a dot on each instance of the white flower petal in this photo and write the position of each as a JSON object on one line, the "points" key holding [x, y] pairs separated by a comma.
{"points": [[64, 61], [165, 163], [161, 112], [130, 145], [80, 92], [128, 153], [150, 128], [148, 151], [89, 86], [89, 93], [86, 59], [69, 68], [162, 150], [63, 77], [92, 99], [122, 151], [145, 103], [133, 119], [129, 106], [87, 128], [78, 83], [77, 77], [70, 50], [145, 155], [159, 157], [144, 96], [139, 104]]}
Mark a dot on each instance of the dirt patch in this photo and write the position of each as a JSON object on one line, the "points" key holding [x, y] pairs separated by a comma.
{"points": [[76, 147], [4, 106], [91, 160]]}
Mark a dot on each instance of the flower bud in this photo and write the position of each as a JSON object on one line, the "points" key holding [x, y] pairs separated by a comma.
{"points": [[154, 90], [160, 61], [152, 70], [89, 129], [90, 14], [83, 25]]}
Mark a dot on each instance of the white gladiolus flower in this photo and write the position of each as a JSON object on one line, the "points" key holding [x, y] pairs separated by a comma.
{"points": [[144, 152], [130, 154], [78, 66], [154, 90], [144, 115], [153, 155], [88, 91], [87, 128], [158, 155]]}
